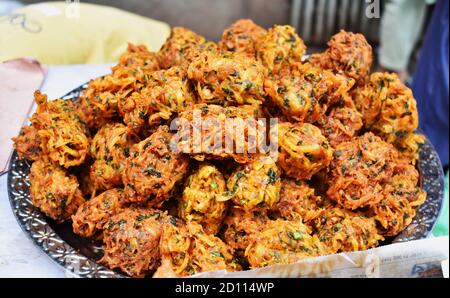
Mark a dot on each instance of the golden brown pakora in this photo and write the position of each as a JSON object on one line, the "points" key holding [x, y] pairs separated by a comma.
{"points": [[303, 150], [110, 148], [341, 230], [242, 36], [280, 48], [227, 78], [53, 190], [167, 91], [408, 147], [283, 242], [62, 133], [342, 124], [131, 240], [255, 186], [99, 102], [298, 199], [388, 106], [200, 200], [401, 197], [305, 94], [28, 143], [186, 250], [153, 169], [241, 227], [347, 53], [223, 132], [92, 215], [138, 58], [360, 170], [180, 48]]}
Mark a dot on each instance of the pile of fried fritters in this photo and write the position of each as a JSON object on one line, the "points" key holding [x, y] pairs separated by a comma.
{"points": [[345, 177]]}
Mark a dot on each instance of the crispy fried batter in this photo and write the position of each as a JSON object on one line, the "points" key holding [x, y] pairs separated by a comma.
{"points": [[153, 169], [137, 58], [227, 78], [53, 190], [303, 151], [298, 199], [28, 143], [306, 93], [242, 227], [61, 131], [167, 92], [255, 186], [342, 230], [242, 36], [388, 107], [401, 197], [92, 215], [342, 124], [360, 170], [131, 240], [283, 242], [224, 132], [347, 53], [109, 148], [200, 198], [186, 250], [181, 47], [99, 102], [280, 48], [408, 147]]}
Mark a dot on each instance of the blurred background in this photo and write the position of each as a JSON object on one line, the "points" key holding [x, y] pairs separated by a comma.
{"points": [[315, 20]]}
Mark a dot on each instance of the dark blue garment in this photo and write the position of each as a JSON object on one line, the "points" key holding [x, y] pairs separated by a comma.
{"points": [[430, 83]]}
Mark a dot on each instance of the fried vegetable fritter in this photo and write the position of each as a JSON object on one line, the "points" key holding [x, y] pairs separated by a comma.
{"points": [[153, 169], [255, 186], [298, 199], [224, 132], [401, 197], [137, 58], [283, 242], [347, 53], [62, 133], [242, 36], [167, 92], [303, 150], [409, 146], [388, 107], [92, 215], [53, 190], [181, 47], [110, 148], [200, 198], [227, 78], [280, 48], [131, 240], [242, 227], [360, 170], [186, 250], [341, 230], [342, 124], [99, 102], [28, 143], [305, 94]]}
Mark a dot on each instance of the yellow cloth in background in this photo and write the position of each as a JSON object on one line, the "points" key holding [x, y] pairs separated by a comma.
{"points": [[75, 33]]}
